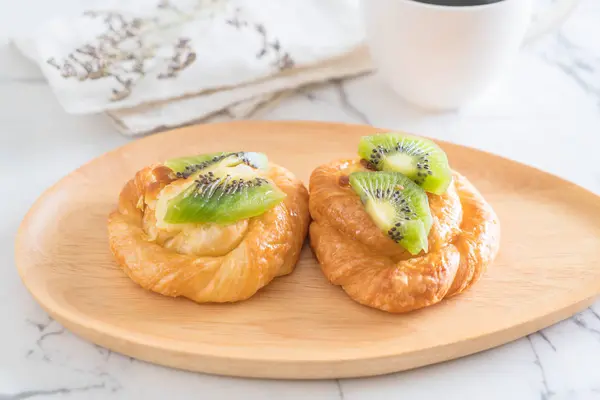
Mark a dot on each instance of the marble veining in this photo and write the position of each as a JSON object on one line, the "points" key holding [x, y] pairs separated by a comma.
{"points": [[27, 394], [340, 390], [545, 113], [347, 105], [545, 392], [574, 62]]}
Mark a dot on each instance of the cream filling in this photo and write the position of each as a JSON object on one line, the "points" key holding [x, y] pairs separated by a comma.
{"points": [[204, 239]]}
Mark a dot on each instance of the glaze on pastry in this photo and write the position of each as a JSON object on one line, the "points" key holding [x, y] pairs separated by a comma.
{"points": [[171, 236], [375, 270]]}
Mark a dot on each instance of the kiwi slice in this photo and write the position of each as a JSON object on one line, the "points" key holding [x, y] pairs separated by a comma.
{"points": [[186, 166], [223, 195], [420, 159], [397, 205]]}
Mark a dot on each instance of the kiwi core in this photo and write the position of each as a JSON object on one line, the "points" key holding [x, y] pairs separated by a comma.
{"points": [[381, 212], [401, 162]]}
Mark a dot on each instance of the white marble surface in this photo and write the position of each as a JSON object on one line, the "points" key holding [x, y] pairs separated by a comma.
{"points": [[545, 113]]}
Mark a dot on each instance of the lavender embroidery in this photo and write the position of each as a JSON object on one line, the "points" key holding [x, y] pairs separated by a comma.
{"points": [[123, 54], [127, 50], [282, 60], [271, 47], [182, 58]]}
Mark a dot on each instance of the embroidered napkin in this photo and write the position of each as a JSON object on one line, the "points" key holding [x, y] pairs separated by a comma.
{"points": [[154, 64]]}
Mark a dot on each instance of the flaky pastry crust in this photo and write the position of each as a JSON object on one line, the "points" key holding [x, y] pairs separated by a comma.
{"points": [[243, 257], [374, 270]]}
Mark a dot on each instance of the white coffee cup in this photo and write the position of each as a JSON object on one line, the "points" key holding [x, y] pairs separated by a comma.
{"points": [[443, 57]]}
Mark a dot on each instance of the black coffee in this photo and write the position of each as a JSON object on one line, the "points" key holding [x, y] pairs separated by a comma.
{"points": [[458, 3]]}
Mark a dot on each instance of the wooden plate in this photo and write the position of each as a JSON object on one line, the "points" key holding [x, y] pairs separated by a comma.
{"points": [[300, 326]]}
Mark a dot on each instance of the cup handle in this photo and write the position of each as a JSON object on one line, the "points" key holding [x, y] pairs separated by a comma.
{"points": [[550, 18]]}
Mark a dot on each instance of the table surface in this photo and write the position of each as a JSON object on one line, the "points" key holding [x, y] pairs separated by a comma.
{"points": [[545, 113]]}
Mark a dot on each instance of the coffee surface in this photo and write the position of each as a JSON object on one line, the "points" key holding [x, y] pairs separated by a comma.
{"points": [[458, 3]]}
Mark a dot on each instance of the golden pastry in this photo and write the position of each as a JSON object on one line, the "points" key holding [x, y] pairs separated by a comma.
{"points": [[398, 229], [212, 228]]}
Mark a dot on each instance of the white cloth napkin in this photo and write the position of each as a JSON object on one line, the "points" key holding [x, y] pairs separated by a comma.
{"points": [[155, 64]]}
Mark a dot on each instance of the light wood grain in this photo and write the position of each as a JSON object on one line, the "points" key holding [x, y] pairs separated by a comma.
{"points": [[300, 326]]}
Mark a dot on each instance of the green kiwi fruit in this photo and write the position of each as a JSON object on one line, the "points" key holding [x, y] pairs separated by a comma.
{"points": [[420, 159], [222, 195], [397, 205], [186, 166]]}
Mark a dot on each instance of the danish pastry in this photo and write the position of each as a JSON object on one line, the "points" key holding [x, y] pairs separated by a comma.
{"points": [[398, 229], [212, 228]]}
